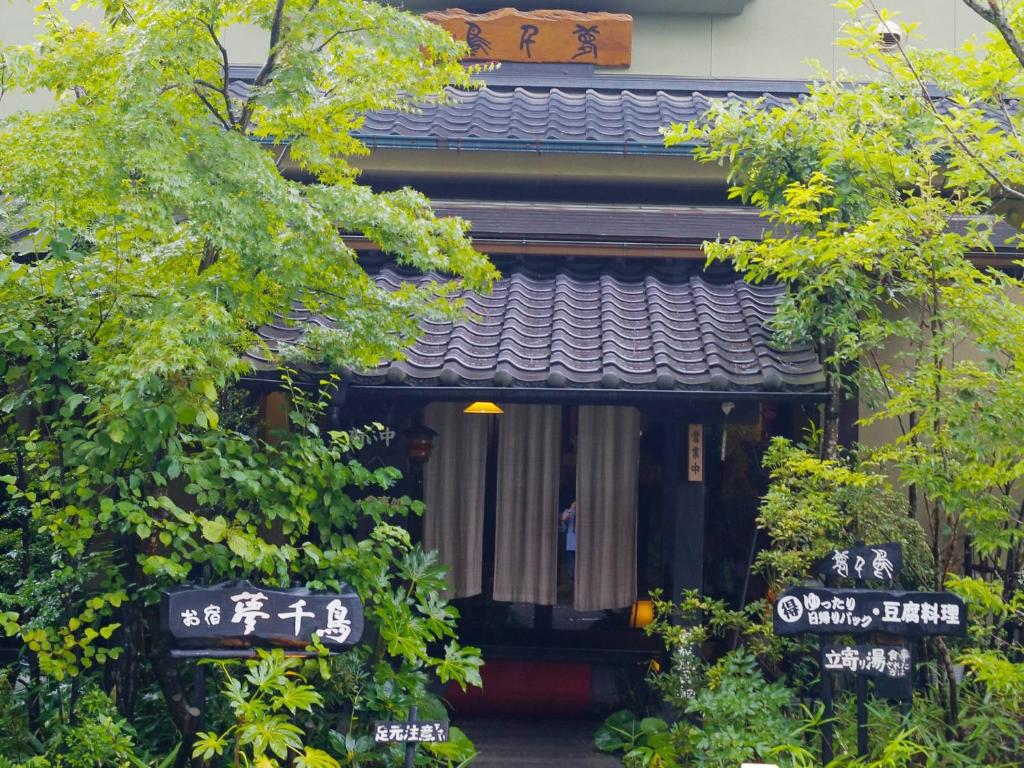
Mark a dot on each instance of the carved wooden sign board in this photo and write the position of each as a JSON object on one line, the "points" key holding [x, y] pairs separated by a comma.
{"points": [[241, 614], [542, 37]]}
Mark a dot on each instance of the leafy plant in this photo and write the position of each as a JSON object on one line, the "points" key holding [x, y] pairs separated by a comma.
{"points": [[642, 742], [170, 209]]}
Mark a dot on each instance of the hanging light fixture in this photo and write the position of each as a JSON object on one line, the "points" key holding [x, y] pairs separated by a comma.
{"points": [[641, 614], [483, 408]]}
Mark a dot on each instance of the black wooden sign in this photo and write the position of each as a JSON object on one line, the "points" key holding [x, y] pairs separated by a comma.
{"points": [[883, 562], [241, 614], [858, 611], [887, 661], [387, 733]]}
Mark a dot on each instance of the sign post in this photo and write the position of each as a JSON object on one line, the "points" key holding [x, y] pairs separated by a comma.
{"points": [[827, 611]]}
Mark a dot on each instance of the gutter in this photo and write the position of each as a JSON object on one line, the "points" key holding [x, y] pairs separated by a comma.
{"points": [[267, 380], [537, 147], [582, 395]]}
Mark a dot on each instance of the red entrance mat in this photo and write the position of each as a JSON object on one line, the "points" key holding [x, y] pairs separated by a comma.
{"points": [[560, 689]]}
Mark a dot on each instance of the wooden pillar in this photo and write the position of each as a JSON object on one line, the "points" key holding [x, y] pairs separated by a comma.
{"points": [[671, 464], [682, 515], [688, 560]]}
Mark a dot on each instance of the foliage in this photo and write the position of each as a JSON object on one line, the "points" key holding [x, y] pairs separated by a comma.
{"points": [[742, 716], [170, 209], [98, 737], [737, 716], [642, 742], [814, 506]]}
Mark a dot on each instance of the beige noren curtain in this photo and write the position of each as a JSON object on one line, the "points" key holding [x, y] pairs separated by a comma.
{"points": [[526, 535], [607, 466], [453, 490]]}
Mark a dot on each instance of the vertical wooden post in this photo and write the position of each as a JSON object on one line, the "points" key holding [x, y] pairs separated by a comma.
{"points": [[688, 551], [671, 458], [827, 752], [862, 699], [410, 746]]}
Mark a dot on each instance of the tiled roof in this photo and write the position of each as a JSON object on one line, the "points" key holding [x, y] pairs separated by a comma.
{"points": [[567, 106], [574, 327], [620, 117]]}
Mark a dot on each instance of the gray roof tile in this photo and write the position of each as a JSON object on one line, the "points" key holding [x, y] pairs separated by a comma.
{"points": [[566, 326]]}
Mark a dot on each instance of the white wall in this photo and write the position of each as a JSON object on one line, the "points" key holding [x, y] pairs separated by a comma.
{"points": [[770, 39]]}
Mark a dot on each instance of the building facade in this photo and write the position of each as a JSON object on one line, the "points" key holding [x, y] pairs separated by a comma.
{"points": [[634, 389]]}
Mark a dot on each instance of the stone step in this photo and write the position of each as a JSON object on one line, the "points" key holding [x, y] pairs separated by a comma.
{"points": [[535, 743]]}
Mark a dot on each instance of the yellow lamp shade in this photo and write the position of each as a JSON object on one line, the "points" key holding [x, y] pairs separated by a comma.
{"points": [[642, 614], [484, 408]]}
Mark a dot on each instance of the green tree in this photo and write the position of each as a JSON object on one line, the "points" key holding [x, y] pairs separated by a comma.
{"points": [[166, 211], [883, 199]]}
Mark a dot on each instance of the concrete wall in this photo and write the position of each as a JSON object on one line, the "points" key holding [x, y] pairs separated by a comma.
{"points": [[768, 39]]}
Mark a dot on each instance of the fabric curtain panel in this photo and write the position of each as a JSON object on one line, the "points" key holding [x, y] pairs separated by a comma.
{"points": [[607, 472], [453, 490], [526, 529]]}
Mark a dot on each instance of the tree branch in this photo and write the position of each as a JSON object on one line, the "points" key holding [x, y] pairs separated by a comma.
{"points": [[340, 32], [212, 109], [267, 70], [225, 72], [994, 15], [927, 99]]}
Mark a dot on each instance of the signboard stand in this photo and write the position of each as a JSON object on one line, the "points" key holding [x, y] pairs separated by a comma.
{"points": [[827, 612], [232, 620], [861, 684]]}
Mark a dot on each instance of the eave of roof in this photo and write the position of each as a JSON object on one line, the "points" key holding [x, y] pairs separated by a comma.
{"points": [[653, 331]]}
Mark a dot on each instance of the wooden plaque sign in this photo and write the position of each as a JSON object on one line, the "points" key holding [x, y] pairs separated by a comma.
{"points": [[242, 614], [695, 453], [859, 611], [543, 37]]}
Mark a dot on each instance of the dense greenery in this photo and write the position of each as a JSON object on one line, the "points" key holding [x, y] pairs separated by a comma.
{"points": [[166, 212], [883, 200]]}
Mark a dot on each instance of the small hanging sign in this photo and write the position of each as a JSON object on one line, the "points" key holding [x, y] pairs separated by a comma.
{"points": [[695, 453], [541, 37], [242, 614]]}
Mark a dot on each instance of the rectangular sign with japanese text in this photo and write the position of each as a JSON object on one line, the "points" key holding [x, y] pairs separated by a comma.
{"points": [[241, 614], [433, 731], [857, 611], [695, 453], [541, 37], [869, 660]]}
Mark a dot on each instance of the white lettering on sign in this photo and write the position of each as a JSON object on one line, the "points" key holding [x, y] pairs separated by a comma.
{"points": [[297, 614], [338, 626], [248, 608], [880, 662]]}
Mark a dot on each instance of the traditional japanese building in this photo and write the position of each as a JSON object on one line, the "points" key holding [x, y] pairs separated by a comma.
{"points": [[596, 423]]}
